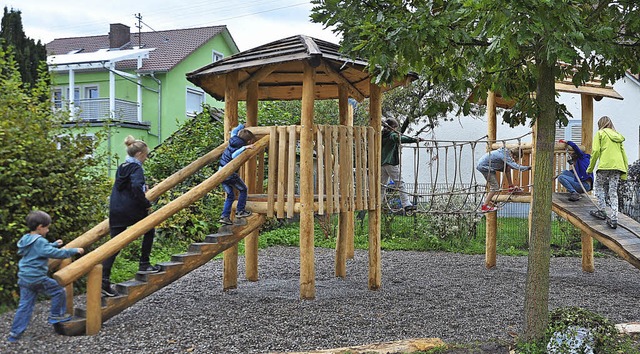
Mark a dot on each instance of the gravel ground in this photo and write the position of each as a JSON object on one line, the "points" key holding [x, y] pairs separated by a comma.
{"points": [[424, 294]]}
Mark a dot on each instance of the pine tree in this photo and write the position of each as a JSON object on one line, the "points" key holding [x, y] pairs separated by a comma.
{"points": [[28, 54]]}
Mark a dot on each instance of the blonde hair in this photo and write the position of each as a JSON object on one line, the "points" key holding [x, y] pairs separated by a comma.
{"points": [[134, 146], [605, 122]]}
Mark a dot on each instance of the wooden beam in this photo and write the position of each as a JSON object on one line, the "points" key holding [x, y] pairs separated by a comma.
{"points": [[375, 253], [491, 221], [256, 77], [307, 262], [342, 81], [588, 264], [251, 241]]}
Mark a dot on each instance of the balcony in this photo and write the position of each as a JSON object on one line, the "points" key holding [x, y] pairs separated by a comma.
{"points": [[98, 109]]}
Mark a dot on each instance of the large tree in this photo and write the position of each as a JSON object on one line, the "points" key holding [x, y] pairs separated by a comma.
{"points": [[28, 53], [515, 48]]}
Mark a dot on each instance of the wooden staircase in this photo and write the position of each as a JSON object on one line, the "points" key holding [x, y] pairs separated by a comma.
{"points": [[142, 285]]}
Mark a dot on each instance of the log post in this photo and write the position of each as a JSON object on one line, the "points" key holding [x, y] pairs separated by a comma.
{"points": [[230, 255], [491, 218], [345, 231], [587, 141], [307, 267], [251, 241], [94, 303], [375, 254]]}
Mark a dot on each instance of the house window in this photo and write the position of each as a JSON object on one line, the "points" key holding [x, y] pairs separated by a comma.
{"points": [[216, 56], [91, 92], [195, 99], [573, 132], [57, 98]]}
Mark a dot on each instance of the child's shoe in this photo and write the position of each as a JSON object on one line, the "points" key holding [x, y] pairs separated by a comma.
{"points": [[109, 291], [243, 214], [598, 214], [488, 208], [59, 319], [148, 269], [574, 197], [515, 189], [13, 338], [612, 223], [225, 220]]}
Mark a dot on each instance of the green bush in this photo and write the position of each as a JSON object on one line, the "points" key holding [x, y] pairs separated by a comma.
{"points": [[42, 166]]}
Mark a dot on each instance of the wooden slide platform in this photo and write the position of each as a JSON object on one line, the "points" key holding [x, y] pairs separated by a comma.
{"points": [[143, 285], [623, 240]]}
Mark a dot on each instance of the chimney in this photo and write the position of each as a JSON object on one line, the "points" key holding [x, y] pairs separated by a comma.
{"points": [[119, 35]]}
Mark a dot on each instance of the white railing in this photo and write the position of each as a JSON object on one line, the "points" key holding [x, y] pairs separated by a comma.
{"points": [[98, 109]]}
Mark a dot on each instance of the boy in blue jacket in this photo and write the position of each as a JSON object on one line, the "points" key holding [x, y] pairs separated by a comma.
{"points": [[578, 162], [32, 273], [241, 139]]}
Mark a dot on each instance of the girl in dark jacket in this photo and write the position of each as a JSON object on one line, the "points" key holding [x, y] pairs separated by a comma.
{"points": [[127, 206]]}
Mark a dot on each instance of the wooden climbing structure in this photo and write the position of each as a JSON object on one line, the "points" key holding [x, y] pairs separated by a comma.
{"points": [[310, 169]]}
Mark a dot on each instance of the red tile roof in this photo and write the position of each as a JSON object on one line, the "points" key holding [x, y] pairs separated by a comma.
{"points": [[171, 46]]}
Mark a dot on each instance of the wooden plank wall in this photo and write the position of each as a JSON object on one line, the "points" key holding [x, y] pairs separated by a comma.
{"points": [[337, 148]]}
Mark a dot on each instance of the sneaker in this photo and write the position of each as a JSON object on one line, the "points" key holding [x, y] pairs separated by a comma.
{"points": [[612, 223], [224, 220], [410, 208], [598, 214], [574, 197], [515, 189], [13, 338], [60, 319], [147, 269], [243, 214], [109, 291], [488, 208]]}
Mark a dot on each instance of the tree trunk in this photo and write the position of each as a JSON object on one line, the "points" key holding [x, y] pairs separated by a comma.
{"points": [[536, 308]]}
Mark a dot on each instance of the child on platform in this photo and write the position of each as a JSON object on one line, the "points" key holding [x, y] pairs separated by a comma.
{"points": [[240, 140], [36, 250], [613, 167], [578, 162]]}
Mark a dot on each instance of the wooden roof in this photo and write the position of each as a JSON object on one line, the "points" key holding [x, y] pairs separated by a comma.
{"points": [[278, 68]]}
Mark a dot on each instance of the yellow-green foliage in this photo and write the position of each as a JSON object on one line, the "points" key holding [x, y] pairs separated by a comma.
{"points": [[42, 166]]}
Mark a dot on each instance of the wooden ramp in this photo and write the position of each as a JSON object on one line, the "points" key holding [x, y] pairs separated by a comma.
{"points": [[143, 285], [624, 240]]}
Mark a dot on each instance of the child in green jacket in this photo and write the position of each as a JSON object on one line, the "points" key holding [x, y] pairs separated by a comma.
{"points": [[613, 166]]}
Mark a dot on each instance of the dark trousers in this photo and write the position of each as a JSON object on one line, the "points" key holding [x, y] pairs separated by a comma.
{"points": [[145, 252]]}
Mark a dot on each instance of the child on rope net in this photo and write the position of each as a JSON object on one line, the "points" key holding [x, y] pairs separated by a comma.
{"points": [[391, 144], [613, 167], [503, 160], [578, 163], [32, 274]]}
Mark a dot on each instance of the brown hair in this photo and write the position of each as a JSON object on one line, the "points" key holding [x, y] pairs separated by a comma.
{"points": [[134, 146], [605, 122], [247, 136], [36, 218]]}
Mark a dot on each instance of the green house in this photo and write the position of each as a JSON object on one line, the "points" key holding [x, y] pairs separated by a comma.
{"points": [[128, 83]]}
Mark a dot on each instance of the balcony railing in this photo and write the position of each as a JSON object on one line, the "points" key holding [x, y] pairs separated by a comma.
{"points": [[98, 109]]}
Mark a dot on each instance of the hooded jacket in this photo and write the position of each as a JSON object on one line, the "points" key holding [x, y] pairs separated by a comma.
{"points": [[391, 147], [496, 160], [128, 204], [581, 163], [608, 148], [36, 251], [236, 146]]}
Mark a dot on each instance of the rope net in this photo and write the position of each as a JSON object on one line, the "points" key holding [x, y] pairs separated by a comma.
{"points": [[445, 179]]}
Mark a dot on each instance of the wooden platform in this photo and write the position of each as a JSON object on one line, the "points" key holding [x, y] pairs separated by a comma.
{"points": [[624, 240]]}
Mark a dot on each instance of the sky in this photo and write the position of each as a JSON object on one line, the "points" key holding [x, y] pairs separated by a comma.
{"points": [[250, 22]]}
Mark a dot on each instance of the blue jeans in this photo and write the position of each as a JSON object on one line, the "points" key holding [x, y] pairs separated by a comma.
{"points": [[571, 183], [234, 182], [28, 295]]}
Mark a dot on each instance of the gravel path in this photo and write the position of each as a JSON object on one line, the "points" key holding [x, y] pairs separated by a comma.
{"points": [[424, 294]]}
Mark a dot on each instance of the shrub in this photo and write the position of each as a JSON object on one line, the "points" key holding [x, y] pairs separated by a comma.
{"points": [[42, 166]]}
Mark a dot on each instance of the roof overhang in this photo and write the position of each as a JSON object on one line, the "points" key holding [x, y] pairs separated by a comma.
{"points": [[94, 60]]}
